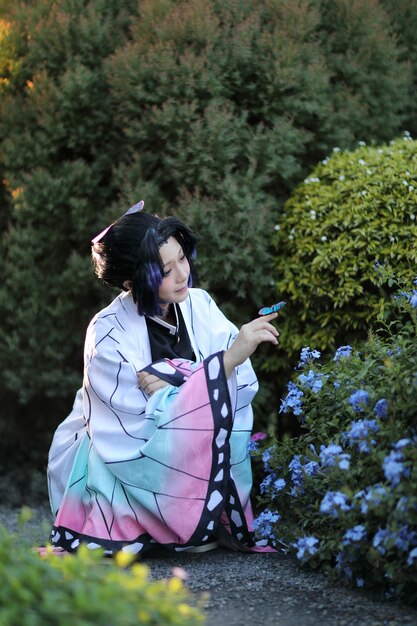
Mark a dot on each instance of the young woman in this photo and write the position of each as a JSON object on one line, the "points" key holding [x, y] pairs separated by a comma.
{"points": [[155, 449]]}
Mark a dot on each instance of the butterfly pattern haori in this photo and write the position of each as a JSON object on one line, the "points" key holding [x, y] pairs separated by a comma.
{"points": [[266, 310]]}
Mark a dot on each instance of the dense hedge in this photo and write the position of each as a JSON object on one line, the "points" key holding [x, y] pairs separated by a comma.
{"points": [[355, 210], [211, 110]]}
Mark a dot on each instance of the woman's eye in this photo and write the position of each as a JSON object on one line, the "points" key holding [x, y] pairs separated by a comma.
{"points": [[167, 273]]}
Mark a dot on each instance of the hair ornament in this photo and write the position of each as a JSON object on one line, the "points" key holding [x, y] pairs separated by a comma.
{"points": [[133, 209]]}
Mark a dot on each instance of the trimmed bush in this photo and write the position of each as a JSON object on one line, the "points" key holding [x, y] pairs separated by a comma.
{"points": [[342, 496], [83, 590], [354, 209]]}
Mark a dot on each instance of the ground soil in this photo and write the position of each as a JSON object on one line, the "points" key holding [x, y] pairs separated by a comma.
{"points": [[244, 589]]}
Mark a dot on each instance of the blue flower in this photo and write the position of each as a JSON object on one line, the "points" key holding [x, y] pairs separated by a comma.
{"points": [[266, 457], [393, 467], [360, 582], [405, 538], [357, 533], [279, 484], [266, 483], [272, 484], [306, 546], [402, 443], [359, 434], [252, 446], [402, 505], [343, 352], [311, 468], [381, 538], [413, 299], [307, 354], [370, 496], [333, 455], [340, 560], [359, 399], [292, 401], [333, 502], [312, 381], [296, 468], [412, 556], [381, 408], [263, 524]]}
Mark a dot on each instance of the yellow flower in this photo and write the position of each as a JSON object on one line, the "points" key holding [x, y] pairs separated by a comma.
{"points": [[184, 610], [174, 584], [123, 559]]}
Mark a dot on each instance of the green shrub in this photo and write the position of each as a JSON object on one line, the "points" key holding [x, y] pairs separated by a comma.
{"points": [[343, 495], [354, 209], [83, 590]]}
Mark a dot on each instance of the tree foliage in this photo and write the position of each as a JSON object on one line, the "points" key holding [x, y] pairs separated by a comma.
{"points": [[213, 111]]}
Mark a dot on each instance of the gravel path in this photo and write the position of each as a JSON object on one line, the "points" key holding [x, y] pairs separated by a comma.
{"points": [[246, 589]]}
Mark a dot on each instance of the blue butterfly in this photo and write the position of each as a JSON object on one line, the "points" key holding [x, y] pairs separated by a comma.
{"points": [[266, 310]]}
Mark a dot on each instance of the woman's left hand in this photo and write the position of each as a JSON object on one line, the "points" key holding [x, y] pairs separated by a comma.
{"points": [[149, 383]]}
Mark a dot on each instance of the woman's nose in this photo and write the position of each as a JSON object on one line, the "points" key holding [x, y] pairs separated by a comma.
{"points": [[181, 274]]}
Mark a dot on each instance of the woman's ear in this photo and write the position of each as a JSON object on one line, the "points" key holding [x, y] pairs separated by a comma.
{"points": [[128, 284]]}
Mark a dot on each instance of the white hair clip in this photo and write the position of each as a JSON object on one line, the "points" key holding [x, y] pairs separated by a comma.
{"points": [[133, 209]]}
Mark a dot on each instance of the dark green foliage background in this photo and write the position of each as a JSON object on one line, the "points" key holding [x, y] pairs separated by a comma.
{"points": [[209, 110]]}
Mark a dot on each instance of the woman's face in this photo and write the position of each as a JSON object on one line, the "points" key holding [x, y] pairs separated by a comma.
{"points": [[174, 286]]}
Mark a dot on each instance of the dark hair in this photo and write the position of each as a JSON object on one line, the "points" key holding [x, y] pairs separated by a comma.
{"points": [[129, 250]]}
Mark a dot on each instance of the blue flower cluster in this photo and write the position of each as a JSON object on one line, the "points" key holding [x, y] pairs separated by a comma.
{"points": [[381, 409], [272, 484], [252, 446], [360, 433], [266, 457], [306, 546], [344, 352], [354, 535], [371, 496], [358, 400], [412, 297], [343, 564], [383, 540], [263, 524], [333, 455], [334, 502], [292, 401], [312, 380], [394, 468], [299, 471], [308, 355]]}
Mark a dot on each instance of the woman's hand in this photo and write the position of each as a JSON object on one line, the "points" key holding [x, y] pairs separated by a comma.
{"points": [[250, 336], [149, 383]]}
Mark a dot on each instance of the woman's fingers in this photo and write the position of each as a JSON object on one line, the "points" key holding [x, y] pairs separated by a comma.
{"points": [[149, 383], [250, 336]]}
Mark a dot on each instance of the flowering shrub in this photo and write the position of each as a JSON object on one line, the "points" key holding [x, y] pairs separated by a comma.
{"points": [[80, 589], [343, 495], [355, 207]]}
